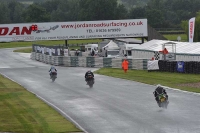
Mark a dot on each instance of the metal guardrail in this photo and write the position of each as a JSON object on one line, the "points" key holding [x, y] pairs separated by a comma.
{"points": [[99, 62]]}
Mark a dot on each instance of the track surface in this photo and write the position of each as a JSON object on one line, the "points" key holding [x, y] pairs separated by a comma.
{"points": [[112, 106]]}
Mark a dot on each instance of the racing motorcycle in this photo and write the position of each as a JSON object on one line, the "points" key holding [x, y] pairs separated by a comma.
{"points": [[163, 100], [90, 81], [53, 76]]}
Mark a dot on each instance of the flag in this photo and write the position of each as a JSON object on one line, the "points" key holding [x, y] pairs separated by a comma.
{"points": [[191, 29], [164, 51]]}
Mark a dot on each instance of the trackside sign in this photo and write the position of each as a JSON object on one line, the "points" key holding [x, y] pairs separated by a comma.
{"points": [[74, 30]]}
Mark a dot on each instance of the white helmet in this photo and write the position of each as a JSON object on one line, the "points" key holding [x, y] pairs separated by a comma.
{"points": [[158, 85]]}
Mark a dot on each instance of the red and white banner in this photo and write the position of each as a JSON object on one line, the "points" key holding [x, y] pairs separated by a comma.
{"points": [[191, 29], [74, 30]]}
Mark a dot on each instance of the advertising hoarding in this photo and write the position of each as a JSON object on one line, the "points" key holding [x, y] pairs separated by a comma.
{"points": [[74, 30]]}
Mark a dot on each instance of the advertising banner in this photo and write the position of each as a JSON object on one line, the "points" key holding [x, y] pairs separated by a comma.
{"points": [[74, 30], [152, 65], [180, 66], [66, 52], [58, 51], [191, 29]]}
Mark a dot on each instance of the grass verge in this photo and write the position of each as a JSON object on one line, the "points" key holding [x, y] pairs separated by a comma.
{"points": [[174, 80], [174, 37], [49, 43], [22, 112], [23, 50]]}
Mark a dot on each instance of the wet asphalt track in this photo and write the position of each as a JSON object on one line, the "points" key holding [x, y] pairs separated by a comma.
{"points": [[112, 106]]}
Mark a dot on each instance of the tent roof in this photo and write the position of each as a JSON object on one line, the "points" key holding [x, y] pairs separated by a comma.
{"points": [[111, 45], [129, 40], [181, 47]]}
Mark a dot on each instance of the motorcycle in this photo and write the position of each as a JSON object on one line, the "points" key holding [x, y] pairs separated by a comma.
{"points": [[90, 81], [163, 100], [53, 76]]}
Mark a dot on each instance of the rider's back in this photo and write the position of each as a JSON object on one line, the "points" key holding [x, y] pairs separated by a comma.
{"points": [[159, 90]]}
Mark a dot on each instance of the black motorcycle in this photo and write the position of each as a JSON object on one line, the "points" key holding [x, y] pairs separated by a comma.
{"points": [[90, 81], [53, 76], [163, 100]]}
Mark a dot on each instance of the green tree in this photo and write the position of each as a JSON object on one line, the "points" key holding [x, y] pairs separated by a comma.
{"points": [[136, 13], [4, 13], [16, 10], [51, 5], [121, 12], [98, 9], [18, 14], [155, 18], [197, 28], [57, 15], [36, 13], [185, 27]]}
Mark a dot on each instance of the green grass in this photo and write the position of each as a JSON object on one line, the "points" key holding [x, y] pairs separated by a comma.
{"points": [[49, 43], [164, 78], [23, 112], [23, 50], [174, 37]]}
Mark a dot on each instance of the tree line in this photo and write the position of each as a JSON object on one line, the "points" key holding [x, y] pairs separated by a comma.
{"points": [[160, 13]]}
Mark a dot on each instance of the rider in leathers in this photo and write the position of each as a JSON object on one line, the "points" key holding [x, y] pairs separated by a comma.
{"points": [[52, 69], [160, 90], [87, 74]]}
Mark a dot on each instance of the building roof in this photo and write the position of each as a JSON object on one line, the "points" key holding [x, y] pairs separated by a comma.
{"points": [[111, 45], [181, 47], [129, 40]]}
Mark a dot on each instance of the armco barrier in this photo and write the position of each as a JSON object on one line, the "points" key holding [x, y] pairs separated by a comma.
{"points": [[90, 62], [82, 62], [99, 62], [74, 61], [107, 62], [173, 66]]}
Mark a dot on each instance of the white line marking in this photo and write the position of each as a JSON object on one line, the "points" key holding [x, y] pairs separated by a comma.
{"points": [[194, 93]]}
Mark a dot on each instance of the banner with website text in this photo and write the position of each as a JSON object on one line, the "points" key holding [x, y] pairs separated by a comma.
{"points": [[74, 30]]}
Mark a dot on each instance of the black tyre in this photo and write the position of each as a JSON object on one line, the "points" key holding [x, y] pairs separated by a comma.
{"points": [[53, 78], [91, 85], [161, 104], [166, 104]]}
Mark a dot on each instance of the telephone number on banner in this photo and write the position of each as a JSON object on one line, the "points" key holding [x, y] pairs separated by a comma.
{"points": [[108, 30]]}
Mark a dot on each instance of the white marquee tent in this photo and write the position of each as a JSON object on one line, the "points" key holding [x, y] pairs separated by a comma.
{"points": [[181, 47], [185, 51], [111, 45]]}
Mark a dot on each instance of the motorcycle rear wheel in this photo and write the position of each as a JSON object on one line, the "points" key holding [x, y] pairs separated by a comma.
{"points": [[91, 86]]}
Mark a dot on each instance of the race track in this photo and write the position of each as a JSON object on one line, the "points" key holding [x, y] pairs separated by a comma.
{"points": [[112, 106]]}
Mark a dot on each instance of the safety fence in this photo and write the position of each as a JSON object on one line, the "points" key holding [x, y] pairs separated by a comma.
{"points": [[192, 67], [180, 66], [78, 61]]}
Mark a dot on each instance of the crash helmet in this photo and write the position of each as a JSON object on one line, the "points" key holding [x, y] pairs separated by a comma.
{"points": [[158, 85]]}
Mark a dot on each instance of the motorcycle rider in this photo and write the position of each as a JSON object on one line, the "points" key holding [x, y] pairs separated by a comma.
{"points": [[87, 74], [159, 90], [52, 69]]}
